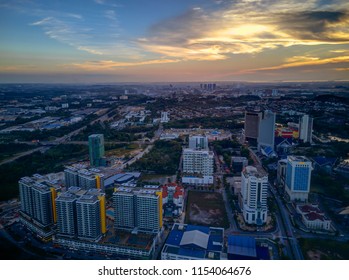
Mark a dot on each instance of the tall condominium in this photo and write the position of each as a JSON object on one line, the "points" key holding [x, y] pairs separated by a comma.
{"points": [[81, 213], [90, 210], [66, 214], [83, 178], [266, 131], [254, 191], [96, 149], [306, 129], [138, 209], [252, 120], [298, 176], [38, 200], [198, 142], [198, 162]]}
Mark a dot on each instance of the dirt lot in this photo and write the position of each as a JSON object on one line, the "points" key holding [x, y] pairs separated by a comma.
{"points": [[206, 209]]}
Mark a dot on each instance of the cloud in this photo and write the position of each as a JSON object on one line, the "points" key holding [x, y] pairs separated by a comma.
{"points": [[111, 65], [248, 27], [301, 62]]}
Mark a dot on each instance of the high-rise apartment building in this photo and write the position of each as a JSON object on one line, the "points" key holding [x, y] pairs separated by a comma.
{"points": [[83, 178], [96, 149], [91, 216], [298, 176], [198, 142], [81, 213], [198, 162], [254, 192], [138, 209], [306, 129], [66, 214], [37, 198]]}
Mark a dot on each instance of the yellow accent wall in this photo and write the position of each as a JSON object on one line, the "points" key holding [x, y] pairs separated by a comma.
{"points": [[54, 196], [102, 213], [160, 208]]}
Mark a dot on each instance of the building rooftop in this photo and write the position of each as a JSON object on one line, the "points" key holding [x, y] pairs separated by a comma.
{"points": [[195, 241], [87, 199], [242, 245]]}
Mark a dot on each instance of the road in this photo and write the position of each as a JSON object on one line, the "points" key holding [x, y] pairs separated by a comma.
{"points": [[17, 156], [58, 141]]}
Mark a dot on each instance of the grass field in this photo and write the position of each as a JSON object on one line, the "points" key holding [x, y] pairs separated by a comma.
{"points": [[206, 209]]}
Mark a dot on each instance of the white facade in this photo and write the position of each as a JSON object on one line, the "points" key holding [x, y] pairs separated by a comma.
{"points": [[165, 117], [198, 142], [198, 162], [306, 129], [204, 180], [254, 192]]}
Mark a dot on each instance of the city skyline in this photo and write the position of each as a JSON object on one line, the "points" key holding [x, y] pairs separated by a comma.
{"points": [[171, 41]]}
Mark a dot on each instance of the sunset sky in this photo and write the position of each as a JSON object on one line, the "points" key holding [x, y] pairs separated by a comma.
{"points": [[173, 40]]}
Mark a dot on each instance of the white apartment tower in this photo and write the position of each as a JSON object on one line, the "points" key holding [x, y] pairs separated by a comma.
{"points": [[306, 129], [254, 191]]}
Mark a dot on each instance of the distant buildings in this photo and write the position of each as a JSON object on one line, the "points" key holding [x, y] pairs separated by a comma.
{"points": [[96, 149], [164, 117], [298, 175], [254, 192], [188, 242], [306, 129], [198, 162], [138, 209]]}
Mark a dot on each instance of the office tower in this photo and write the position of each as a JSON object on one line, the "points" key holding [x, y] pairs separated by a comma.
{"points": [[252, 119], [66, 214], [96, 149], [306, 129], [254, 191], [198, 142], [71, 177], [266, 131], [88, 217], [198, 162], [281, 173], [164, 117], [38, 200], [298, 176], [138, 209]]}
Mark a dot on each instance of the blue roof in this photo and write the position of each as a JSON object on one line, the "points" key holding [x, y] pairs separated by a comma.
{"points": [[242, 245], [324, 160], [278, 140], [268, 150], [215, 240]]}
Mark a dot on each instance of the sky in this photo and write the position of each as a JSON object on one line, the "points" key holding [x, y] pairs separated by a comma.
{"points": [[107, 41]]}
